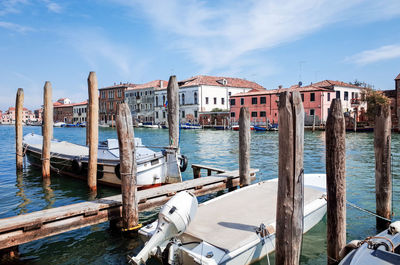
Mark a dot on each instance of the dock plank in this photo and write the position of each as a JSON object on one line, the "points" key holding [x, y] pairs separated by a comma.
{"points": [[24, 228]]}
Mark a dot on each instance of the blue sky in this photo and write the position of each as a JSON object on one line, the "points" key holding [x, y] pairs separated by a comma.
{"points": [[272, 42]]}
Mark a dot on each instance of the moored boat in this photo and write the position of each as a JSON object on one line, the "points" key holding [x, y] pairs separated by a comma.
{"points": [[235, 228], [260, 128], [382, 249], [190, 126], [153, 168]]}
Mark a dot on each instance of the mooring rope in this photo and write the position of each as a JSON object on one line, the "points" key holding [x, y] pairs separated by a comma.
{"points": [[367, 211]]}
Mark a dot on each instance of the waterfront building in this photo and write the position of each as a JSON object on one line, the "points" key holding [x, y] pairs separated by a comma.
{"points": [[394, 96], [63, 111], [317, 98], [79, 112], [201, 94], [141, 100], [109, 98], [38, 115], [8, 116]]}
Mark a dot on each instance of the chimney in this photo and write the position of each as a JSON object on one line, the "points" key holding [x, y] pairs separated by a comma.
{"points": [[161, 84], [280, 87], [120, 83]]}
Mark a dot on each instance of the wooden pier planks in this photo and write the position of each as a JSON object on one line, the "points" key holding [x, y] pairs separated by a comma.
{"points": [[32, 226]]}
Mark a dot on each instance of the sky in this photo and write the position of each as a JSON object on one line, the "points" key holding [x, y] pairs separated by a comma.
{"points": [[271, 42]]}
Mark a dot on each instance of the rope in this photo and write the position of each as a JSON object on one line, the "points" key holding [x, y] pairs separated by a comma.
{"points": [[132, 228], [370, 243], [367, 211]]}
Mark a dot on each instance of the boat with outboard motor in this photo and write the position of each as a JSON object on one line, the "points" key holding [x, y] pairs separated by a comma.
{"points": [[153, 168], [235, 228], [382, 249]]}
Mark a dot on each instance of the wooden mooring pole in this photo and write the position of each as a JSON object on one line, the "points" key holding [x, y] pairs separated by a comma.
{"points": [[173, 111], [244, 147], [289, 213], [87, 124], [383, 179], [93, 130], [127, 156], [19, 106], [47, 129], [335, 181]]}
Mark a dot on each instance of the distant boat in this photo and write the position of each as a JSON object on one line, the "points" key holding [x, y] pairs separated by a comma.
{"points": [[236, 228], [273, 127], [150, 125], [190, 126], [72, 160], [236, 127], [59, 124], [384, 248], [260, 128]]}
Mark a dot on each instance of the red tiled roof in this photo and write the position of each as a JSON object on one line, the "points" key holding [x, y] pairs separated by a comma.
{"points": [[218, 81], [255, 92], [80, 103], [398, 77], [126, 85], [156, 84], [330, 83]]}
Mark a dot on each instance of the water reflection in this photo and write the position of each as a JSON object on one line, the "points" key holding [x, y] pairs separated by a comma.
{"points": [[21, 193], [48, 193]]}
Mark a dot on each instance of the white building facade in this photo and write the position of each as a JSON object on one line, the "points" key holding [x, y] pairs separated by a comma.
{"points": [[79, 112], [201, 94]]}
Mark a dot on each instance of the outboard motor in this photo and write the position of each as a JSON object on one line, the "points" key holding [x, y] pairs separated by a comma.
{"points": [[173, 219]]}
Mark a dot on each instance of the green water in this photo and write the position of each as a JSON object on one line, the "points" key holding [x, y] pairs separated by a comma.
{"points": [[99, 245]]}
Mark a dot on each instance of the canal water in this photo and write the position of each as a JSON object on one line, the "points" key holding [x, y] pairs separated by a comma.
{"points": [[25, 193]]}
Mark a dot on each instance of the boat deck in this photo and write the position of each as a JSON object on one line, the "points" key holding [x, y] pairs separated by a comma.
{"points": [[230, 221]]}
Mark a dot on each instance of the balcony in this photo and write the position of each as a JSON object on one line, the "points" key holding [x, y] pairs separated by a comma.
{"points": [[355, 102]]}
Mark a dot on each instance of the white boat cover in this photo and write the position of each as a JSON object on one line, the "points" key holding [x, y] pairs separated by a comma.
{"points": [[231, 222]]}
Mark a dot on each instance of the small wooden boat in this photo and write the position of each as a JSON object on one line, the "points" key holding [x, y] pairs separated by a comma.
{"points": [[382, 249], [153, 168], [260, 128], [235, 228]]}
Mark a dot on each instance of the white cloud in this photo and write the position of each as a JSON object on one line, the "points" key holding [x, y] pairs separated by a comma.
{"points": [[52, 6], [14, 27], [11, 6], [371, 56], [215, 34]]}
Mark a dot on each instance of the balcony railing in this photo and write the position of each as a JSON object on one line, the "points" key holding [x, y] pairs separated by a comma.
{"points": [[355, 101]]}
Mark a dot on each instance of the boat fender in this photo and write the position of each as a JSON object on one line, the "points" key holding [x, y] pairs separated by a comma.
{"points": [[184, 163], [394, 227], [117, 171], [76, 166], [354, 244]]}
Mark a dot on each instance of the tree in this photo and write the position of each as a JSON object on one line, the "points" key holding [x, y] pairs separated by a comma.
{"points": [[373, 99]]}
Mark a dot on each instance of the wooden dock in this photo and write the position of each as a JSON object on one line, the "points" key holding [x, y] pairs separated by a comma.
{"points": [[36, 225]]}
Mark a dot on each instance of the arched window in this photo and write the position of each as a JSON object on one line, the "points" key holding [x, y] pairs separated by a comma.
{"points": [[156, 101], [163, 99], [195, 97], [183, 99]]}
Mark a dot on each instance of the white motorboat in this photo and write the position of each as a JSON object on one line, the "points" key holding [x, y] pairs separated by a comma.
{"points": [[235, 228], [59, 124], [153, 168]]}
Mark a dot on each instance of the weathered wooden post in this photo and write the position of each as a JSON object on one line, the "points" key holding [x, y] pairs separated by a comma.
{"points": [[313, 124], [383, 179], [87, 124], [244, 147], [127, 157], [173, 111], [19, 106], [335, 181], [196, 172], [355, 121], [47, 129], [93, 130], [289, 213]]}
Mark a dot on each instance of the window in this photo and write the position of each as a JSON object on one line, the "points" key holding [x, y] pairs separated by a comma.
{"points": [[263, 100], [242, 101], [312, 112], [263, 114], [195, 97], [352, 95], [253, 101], [183, 114], [119, 93], [156, 114], [163, 100], [206, 100], [233, 102], [145, 93], [195, 113], [329, 97], [222, 101], [346, 95], [183, 99], [312, 96], [232, 114], [337, 94], [230, 93], [163, 114], [156, 101], [254, 114], [302, 97], [215, 101]]}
